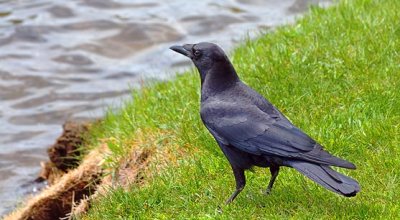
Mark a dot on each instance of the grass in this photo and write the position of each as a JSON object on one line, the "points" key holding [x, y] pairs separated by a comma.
{"points": [[335, 73]]}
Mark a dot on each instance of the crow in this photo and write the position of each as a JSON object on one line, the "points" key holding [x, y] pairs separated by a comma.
{"points": [[252, 132]]}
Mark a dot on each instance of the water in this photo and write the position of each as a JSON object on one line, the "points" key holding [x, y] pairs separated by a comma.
{"points": [[63, 60]]}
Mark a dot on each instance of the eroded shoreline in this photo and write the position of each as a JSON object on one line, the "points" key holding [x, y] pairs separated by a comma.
{"points": [[74, 180]]}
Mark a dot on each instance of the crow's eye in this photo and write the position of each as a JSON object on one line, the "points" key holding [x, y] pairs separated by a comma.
{"points": [[197, 53]]}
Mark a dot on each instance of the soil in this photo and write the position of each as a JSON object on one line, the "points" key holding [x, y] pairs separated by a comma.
{"points": [[58, 200], [64, 153], [74, 183]]}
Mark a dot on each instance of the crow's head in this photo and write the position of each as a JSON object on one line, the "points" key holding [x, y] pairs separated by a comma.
{"points": [[204, 55]]}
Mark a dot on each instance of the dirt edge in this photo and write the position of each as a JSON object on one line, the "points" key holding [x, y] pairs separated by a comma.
{"points": [[57, 200], [71, 193]]}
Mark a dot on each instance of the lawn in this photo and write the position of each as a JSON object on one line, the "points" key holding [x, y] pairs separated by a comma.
{"points": [[335, 73]]}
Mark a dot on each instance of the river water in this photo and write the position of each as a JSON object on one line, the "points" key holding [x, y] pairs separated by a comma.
{"points": [[62, 60]]}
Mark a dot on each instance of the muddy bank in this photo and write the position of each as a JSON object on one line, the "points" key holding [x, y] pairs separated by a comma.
{"points": [[73, 183], [58, 200], [65, 153]]}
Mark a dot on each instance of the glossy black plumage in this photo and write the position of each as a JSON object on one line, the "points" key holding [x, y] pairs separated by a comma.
{"points": [[252, 132]]}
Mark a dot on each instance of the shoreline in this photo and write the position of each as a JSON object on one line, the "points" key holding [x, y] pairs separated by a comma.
{"points": [[328, 72]]}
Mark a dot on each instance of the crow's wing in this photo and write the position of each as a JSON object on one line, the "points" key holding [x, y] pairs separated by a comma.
{"points": [[252, 130]]}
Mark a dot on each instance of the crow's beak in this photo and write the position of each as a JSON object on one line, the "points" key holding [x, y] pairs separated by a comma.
{"points": [[185, 50]]}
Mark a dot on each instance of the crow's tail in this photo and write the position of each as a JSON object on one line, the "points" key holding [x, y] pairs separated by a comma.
{"points": [[327, 178]]}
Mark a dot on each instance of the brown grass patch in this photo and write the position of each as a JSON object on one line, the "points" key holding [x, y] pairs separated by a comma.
{"points": [[57, 200], [148, 153]]}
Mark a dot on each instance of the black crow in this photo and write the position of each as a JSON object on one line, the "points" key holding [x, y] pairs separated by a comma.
{"points": [[252, 132]]}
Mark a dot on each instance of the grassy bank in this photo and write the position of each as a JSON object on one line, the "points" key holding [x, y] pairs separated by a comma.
{"points": [[335, 74]]}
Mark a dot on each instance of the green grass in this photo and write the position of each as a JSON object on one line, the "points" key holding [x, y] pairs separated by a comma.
{"points": [[335, 73]]}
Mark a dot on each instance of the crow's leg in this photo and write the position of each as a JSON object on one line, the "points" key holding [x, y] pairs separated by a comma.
{"points": [[240, 179], [274, 173]]}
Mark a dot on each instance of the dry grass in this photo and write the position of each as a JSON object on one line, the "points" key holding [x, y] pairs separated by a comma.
{"points": [[74, 191], [57, 200]]}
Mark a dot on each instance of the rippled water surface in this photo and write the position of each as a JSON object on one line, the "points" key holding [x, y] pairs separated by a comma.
{"points": [[61, 60]]}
